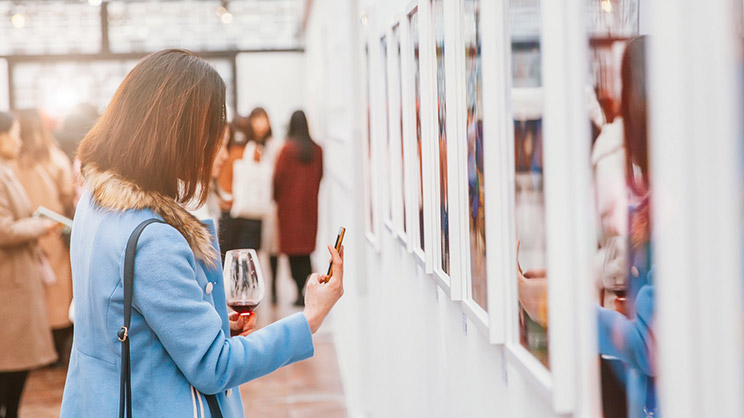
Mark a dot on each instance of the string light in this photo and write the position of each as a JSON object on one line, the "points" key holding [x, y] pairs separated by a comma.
{"points": [[224, 14]]}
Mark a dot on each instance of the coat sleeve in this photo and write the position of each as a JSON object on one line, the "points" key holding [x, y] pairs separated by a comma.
{"points": [[65, 180], [170, 299], [280, 173], [631, 341], [16, 232]]}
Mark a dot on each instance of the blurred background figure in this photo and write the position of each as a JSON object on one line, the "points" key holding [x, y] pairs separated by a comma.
{"points": [[45, 172], [297, 176], [75, 126], [248, 171], [211, 209], [73, 129], [25, 338], [627, 334]]}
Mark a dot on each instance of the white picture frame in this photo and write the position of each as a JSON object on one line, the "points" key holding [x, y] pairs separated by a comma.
{"points": [[397, 153], [450, 282], [384, 136], [490, 320], [369, 148], [565, 259], [420, 236]]}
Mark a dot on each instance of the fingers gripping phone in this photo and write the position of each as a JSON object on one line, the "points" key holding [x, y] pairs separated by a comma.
{"points": [[339, 243]]}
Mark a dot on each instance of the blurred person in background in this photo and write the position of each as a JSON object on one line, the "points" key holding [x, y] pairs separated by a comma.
{"points": [[629, 336], [74, 128], [45, 172], [625, 330], [25, 337], [253, 211], [152, 151], [297, 176], [235, 148], [211, 208]]}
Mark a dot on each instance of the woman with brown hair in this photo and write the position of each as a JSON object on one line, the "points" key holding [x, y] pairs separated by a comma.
{"points": [[45, 172], [151, 151], [25, 340]]}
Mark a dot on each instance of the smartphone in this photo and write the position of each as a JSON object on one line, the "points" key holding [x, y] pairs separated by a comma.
{"points": [[339, 242]]}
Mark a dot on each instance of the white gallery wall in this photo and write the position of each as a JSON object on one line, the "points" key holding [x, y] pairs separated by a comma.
{"points": [[274, 81], [405, 349]]}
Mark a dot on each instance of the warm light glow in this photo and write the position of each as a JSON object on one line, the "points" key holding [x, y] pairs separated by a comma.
{"points": [[61, 100], [95, 2], [227, 18], [607, 6], [18, 20], [221, 11]]}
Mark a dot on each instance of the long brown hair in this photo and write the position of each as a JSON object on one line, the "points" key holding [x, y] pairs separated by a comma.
{"points": [[635, 114], [36, 141], [163, 126]]}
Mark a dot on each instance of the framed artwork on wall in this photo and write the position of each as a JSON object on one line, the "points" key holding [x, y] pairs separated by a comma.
{"points": [[481, 173], [397, 155], [385, 140], [418, 161], [370, 174], [441, 33], [528, 342]]}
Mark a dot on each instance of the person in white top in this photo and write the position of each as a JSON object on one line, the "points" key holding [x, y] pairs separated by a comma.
{"points": [[253, 208]]}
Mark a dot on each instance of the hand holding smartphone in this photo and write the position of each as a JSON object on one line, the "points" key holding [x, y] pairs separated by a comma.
{"points": [[339, 243]]}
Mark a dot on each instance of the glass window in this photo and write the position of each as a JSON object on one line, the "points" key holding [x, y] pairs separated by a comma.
{"points": [[49, 27]]}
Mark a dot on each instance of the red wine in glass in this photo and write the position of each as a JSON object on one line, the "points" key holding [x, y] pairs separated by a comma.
{"points": [[243, 308], [244, 285]]}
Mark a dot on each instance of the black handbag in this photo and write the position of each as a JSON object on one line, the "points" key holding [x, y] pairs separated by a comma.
{"points": [[125, 384]]}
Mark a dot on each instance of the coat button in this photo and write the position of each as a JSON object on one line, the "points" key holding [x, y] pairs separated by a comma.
{"points": [[634, 271], [228, 393], [209, 288]]}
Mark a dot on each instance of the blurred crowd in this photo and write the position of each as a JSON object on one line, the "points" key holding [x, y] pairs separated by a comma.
{"points": [[263, 195]]}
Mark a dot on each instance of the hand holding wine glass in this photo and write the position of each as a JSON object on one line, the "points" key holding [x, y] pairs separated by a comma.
{"points": [[244, 286]]}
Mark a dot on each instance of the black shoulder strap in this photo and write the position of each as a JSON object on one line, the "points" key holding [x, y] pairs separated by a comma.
{"points": [[125, 384]]}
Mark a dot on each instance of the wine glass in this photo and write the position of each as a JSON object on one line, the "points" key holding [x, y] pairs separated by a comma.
{"points": [[244, 283]]}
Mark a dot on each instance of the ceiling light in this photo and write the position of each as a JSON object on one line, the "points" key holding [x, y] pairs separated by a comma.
{"points": [[18, 20], [95, 2]]}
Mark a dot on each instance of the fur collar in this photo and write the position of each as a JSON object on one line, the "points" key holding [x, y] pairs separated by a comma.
{"points": [[115, 193]]}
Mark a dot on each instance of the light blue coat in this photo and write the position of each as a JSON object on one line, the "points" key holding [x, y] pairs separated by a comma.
{"points": [[180, 340]]}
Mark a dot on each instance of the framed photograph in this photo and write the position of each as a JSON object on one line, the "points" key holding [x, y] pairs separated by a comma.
{"points": [[480, 169], [528, 344], [386, 146], [370, 174], [418, 164], [397, 152], [442, 34]]}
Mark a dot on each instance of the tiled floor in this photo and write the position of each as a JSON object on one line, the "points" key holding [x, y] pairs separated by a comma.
{"points": [[310, 388]]}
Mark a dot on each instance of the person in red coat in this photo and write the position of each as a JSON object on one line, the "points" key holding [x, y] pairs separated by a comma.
{"points": [[297, 175]]}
